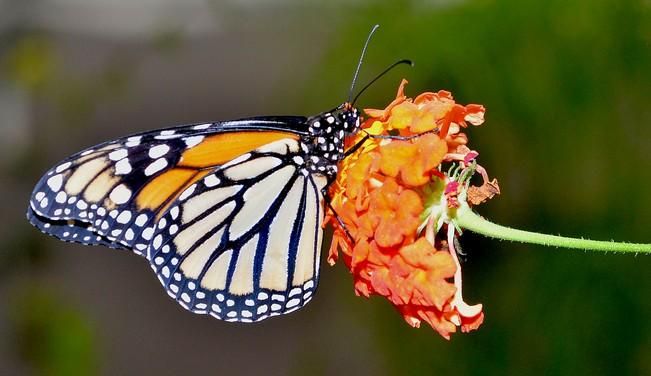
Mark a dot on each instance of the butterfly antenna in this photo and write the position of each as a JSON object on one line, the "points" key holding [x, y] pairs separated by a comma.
{"points": [[399, 62], [359, 64]]}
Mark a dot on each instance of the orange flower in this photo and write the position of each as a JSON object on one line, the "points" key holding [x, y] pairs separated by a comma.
{"points": [[382, 194]]}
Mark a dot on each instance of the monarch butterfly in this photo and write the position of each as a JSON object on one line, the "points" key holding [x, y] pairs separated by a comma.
{"points": [[228, 214]]}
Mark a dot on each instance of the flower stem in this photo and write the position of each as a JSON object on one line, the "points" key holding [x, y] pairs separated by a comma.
{"points": [[469, 220]]}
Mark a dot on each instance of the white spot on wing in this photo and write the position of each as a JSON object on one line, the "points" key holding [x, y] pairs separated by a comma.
{"points": [[174, 212], [62, 167], [55, 182], [118, 154], [193, 141], [133, 141], [141, 220], [211, 180], [61, 197], [293, 303], [188, 191], [124, 217], [148, 233], [158, 240], [122, 167], [158, 151], [156, 166], [120, 194]]}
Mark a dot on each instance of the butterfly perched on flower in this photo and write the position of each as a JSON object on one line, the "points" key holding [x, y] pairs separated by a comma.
{"points": [[228, 214]]}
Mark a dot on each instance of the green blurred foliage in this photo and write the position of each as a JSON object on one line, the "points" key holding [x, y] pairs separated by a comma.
{"points": [[32, 64], [51, 336]]}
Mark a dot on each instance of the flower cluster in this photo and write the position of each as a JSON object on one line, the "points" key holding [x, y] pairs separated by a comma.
{"points": [[393, 200]]}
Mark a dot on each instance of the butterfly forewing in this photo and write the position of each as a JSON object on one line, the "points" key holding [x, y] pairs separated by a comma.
{"points": [[113, 194], [243, 242]]}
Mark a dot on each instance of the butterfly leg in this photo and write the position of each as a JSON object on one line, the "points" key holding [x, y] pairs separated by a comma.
{"points": [[328, 201], [368, 136], [356, 147], [400, 138]]}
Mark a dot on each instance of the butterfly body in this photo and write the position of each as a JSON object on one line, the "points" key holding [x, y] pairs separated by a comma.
{"points": [[228, 214]]}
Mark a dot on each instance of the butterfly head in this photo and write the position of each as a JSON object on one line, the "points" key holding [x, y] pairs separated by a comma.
{"points": [[345, 118], [336, 124], [349, 118]]}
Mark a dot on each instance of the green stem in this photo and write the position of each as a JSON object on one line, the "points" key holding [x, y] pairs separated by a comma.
{"points": [[469, 220]]}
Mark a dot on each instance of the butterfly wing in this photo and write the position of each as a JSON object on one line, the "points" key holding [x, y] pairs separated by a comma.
{"points": [[243, 242], [114, 193]]}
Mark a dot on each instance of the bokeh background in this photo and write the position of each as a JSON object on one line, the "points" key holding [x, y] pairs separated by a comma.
{"points": [[567, 85]]}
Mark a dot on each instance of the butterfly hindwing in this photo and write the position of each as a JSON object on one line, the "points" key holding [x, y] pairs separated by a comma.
{"points": [[243, 242], [114, 193]]}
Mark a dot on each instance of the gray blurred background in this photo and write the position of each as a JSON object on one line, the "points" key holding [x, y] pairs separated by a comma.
{"points": [[567, 86]]}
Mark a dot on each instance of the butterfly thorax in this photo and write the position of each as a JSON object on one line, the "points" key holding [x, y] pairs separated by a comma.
{"points": [[324, 145]]}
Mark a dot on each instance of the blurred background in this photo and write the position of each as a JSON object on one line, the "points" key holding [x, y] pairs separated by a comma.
{"points": [[567, 86]]}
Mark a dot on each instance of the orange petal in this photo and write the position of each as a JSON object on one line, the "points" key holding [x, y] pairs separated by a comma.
{"points": [[402, 115], [416, 175], [475, 114], [396, 155], [360, 253], [410, 202], [422, 122], [432, 149], [388, 233]]}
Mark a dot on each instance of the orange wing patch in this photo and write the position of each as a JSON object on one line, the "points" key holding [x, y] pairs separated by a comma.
{"points": [[219, 149], [195, 163], [161, 191]]}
